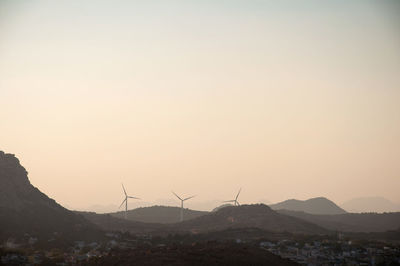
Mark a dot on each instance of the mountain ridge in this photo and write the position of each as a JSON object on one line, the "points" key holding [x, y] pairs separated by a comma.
{"points": [[318, 205], [351, 222]]}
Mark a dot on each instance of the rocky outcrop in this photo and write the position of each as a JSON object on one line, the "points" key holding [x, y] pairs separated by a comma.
{"points": [[24, 210]]}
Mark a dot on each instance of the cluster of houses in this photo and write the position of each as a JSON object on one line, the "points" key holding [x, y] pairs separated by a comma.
{"points": [[334, 252], [21, 253]]}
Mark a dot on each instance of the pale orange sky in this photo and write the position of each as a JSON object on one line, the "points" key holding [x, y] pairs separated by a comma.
{"points": [[283, 99]]}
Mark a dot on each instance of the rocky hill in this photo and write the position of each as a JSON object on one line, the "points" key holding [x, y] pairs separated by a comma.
{"points": [[24, 210], [318, 205]]}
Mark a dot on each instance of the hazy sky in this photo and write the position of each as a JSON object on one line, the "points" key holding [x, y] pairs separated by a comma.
{"points": [[287, 99]]}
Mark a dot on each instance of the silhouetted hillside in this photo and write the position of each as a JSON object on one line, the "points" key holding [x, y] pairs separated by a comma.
{"points": [[371, 204], [313, 206], [159, 214], [26, 210], [221, 206], [245, 216], [352, 222], [111, 223]]}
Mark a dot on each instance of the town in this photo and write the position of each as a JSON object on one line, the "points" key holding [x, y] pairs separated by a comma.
{"points": [[304, 250]]}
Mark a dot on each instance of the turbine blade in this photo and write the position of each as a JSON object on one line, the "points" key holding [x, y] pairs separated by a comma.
{"points": [[176, 195], [122, 203], [124, 189], [132, 197], [189, 197], [229, 201], [238, 194]]}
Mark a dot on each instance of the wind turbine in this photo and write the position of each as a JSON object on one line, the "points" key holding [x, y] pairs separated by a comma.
{"points": [[182, 200], [235, 201], [126, 201]]}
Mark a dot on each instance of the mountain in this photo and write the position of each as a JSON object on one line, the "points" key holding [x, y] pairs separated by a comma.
{"points": [[24, 210], [370, 204], [159, 214], [319, 205], [249, 216], [352, 222]]}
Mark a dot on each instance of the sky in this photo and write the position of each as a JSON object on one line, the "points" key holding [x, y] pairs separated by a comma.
{"points": [[286, 99]]}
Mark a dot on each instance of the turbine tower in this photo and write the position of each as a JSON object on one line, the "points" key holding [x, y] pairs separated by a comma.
{"points": [[235, 201], [182, 200], [126, 201]]}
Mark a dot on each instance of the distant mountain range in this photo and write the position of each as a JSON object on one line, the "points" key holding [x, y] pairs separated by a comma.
{"points": [[25, 211], [249, 216], [351, 222], [318, 205], [371, 204], [159, 214]]}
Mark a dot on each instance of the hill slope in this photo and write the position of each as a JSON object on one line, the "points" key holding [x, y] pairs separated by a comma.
{"points": [[245, 216], [313, 206], [26, 210], [110, 223], [352, 222], [159, 214]]}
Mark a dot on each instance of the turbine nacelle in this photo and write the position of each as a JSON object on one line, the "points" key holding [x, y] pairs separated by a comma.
{"points": [[235, 201], [182, 200]]}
